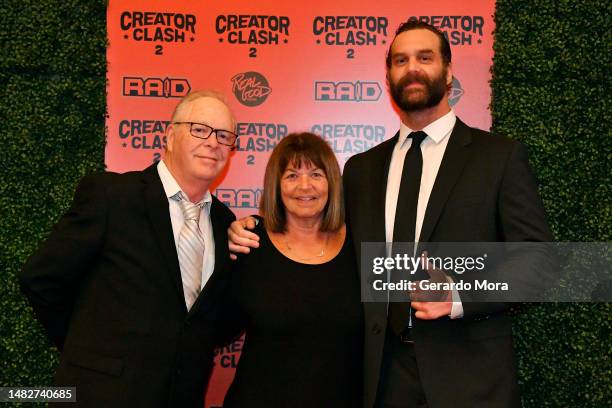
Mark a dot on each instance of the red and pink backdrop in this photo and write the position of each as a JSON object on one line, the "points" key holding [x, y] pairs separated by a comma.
{"points": [[284, 67]]}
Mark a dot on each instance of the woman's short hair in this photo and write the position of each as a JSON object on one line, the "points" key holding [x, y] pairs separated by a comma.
{"points": [[298, 149]]}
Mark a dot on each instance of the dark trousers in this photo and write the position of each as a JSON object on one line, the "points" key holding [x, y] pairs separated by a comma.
{"points": [[400, 385]]}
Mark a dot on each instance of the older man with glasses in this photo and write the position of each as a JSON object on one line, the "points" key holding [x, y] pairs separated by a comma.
{"points": [[127, 285]]}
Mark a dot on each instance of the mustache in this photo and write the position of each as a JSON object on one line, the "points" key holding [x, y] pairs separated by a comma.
{"points": [[412, 77]]}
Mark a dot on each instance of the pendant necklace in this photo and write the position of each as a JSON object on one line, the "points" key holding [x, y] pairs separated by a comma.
{"points": [[319, 255]]}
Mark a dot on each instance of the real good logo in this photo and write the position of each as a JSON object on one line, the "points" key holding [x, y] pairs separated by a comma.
{"points": [[250, 88]]}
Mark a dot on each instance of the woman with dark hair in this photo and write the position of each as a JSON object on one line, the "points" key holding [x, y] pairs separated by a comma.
{"points": [[297, 296]]}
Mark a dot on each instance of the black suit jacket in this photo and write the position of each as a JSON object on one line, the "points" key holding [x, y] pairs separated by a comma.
{"points": [[106, 285], [484, 191]]}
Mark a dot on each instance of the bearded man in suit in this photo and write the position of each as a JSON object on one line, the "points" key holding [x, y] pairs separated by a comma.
{"points": [[127, 284], [438, 181], [445, 182]]}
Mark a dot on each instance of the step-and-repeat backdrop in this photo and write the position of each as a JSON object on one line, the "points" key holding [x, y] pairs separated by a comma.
{"points": [[284, 67]]}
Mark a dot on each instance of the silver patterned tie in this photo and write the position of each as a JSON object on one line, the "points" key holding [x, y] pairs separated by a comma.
{"points": [[190, 249]]}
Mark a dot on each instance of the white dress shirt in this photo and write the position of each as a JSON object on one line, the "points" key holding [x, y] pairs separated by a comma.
{"points": [[432, 149], [171, 187]]}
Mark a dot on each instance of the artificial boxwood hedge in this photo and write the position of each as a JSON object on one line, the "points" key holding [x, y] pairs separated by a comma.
{"points": [[52, 111], [550, 90]]}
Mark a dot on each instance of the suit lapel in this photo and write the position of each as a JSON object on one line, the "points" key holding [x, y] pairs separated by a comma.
{"points": [[377, 311], [381, 172], [158, 212], [455, 158]]}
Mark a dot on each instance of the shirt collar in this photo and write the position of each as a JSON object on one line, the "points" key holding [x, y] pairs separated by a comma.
{"points": [[171, 187], [436, 130]]}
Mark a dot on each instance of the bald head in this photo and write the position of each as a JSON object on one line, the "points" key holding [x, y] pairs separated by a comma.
{"points": [[180, 111]]}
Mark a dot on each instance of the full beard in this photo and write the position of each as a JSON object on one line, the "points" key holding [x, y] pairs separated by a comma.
{"points": [[413, 100]]}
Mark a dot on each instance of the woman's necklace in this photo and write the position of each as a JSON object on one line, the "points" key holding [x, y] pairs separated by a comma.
{"points": [[319, 255]]}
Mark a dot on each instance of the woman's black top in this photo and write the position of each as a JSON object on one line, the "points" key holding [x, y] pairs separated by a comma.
{"points": [[304, 330]]}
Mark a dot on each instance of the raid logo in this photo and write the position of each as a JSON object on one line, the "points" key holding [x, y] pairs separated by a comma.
{"points": [[459, 30], [156, 87], [242, 198], [250, 88], [252, 30], [157, 27], [456, 92], [350, 31], [365, 91]]}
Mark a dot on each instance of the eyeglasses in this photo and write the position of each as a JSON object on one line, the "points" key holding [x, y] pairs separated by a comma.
{"points": [[202, 131]]}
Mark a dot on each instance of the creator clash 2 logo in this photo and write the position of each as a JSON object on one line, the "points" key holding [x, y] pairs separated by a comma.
{"points": [[459, 30], [156, 27], [350, 31], [253, 30], [250, 88]]}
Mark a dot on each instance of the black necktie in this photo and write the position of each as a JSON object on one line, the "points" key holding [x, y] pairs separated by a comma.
{"points": [[405, 218]]}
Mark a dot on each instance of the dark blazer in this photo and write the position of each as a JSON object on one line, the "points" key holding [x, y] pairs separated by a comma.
{"points": [[106, 285], [485, 191]]}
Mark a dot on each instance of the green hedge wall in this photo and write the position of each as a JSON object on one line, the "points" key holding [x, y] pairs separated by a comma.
{"points": [[52, 111], [550, 90]]}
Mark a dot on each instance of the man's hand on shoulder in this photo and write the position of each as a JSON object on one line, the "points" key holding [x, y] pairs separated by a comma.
{"points": [[241, 240]]}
